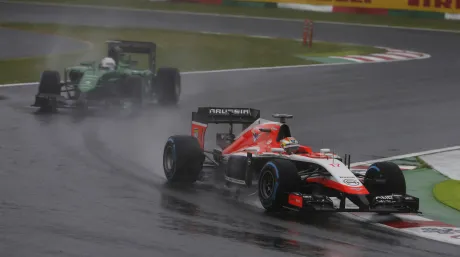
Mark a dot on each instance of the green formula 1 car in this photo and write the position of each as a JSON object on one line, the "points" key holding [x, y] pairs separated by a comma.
{"points": [[114, 81]]}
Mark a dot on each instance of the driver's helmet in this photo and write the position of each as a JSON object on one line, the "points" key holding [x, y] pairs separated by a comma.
{"points": [[107, 63], [289, 144]]}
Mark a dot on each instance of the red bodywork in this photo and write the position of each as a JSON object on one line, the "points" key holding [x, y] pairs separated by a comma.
{"points": [[254, 137], [265, 141]]}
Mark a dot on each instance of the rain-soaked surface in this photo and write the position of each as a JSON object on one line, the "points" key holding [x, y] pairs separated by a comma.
{"points": [[77, 186], [72, 185]]}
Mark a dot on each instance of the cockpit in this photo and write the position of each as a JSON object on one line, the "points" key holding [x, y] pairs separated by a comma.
{"points": [[283, 132]]}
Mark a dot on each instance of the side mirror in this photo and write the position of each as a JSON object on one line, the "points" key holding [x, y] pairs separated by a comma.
{"points": [[282, 117], [277, 150], [252, 149]]}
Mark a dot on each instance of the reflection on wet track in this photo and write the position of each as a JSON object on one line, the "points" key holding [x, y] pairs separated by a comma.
{"points": [[276, 238], [99, 183]]}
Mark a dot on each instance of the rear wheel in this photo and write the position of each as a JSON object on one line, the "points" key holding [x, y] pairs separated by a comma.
{"points": [[277, 179], [168, 81], [182, 159]]}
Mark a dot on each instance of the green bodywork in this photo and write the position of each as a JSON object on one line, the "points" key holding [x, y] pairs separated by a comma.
{"points": [[92, 75]]}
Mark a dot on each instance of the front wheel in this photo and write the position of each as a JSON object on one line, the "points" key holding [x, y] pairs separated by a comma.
{"points": [[384, 178], [277, 179], [50, 84]]}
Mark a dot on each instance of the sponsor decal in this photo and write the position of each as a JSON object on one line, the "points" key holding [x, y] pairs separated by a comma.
{"points": [[312, 2], [354, 1], [195, 132], [336, 165], [236, 181], [227, 111], [351, 182], [448, 6], [442, 231], [255, 136], [295, 200], [384, 197], [198, 131]]}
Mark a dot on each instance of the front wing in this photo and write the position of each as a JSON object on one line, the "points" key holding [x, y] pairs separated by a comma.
{"points": [[59, 101], [379, 204]]}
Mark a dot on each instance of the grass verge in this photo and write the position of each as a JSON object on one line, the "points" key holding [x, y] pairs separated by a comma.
{"points": [[448, 193], [269, 12], [186, 50]]}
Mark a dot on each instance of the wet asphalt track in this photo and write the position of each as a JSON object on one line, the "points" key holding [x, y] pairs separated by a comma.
{"points": [[73, 186]]}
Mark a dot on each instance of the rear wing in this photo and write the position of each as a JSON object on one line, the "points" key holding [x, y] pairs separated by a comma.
{"points": [[217, 115], [117, 47]]}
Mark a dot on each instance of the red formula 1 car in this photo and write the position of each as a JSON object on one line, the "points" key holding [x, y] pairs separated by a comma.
{"points": [[288, 175]]}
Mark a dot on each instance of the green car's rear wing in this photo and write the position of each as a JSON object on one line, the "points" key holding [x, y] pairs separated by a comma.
{"points": [[117, 47]]}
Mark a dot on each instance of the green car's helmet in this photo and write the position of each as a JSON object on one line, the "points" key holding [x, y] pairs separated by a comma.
{"points": [[107, 63]]}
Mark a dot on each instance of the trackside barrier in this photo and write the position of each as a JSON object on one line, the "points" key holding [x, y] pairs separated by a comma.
{"points": [[308, 33], [432, 9]]}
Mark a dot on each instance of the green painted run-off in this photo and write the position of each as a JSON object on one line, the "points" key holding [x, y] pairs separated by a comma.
{"points": [[420, 183]]}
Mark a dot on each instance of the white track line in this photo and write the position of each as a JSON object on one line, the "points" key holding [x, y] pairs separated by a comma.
{"points": [[356, 61], [19, 84], [217, 71], [407, 55], [395, 57], [348, 58], [366, 58], [440, 150]]}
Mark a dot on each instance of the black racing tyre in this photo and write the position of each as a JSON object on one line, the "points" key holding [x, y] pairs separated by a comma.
{"points": [[168, 81], [183, 159], [276, 180], [50, 83], [390, 173]]}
